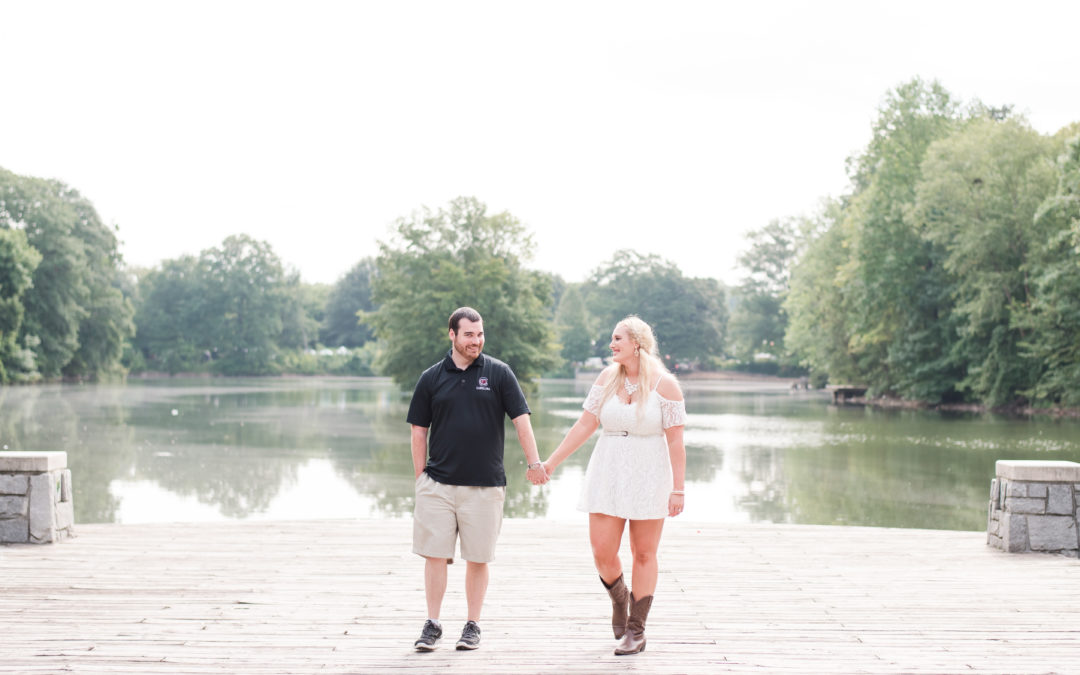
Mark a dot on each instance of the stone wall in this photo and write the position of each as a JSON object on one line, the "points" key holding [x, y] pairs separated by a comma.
{"points": [[1035, 506], [35, 498]]}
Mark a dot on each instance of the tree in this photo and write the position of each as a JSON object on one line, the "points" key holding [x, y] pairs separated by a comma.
{"points": [[891, 304], [817, 332], [977, 200], [350, 296], [17, 263], [303, 312], [458, 256], [759, 321], [247, 287], [76, 318], [173, 316], [688, 315], [225, 307], [572, 323], [1050, 321]]}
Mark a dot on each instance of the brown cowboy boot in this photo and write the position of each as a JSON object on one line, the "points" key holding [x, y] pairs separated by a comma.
{"points": [[620, 596], [634, 639]]}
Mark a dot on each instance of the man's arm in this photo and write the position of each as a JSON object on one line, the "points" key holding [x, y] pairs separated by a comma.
{"points": [[523, 426], [419, 449]]}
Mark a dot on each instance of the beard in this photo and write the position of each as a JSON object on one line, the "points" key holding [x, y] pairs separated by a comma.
{"points": [[464, 350]]}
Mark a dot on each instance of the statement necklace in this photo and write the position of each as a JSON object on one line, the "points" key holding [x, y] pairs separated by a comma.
{"points": [[631, 389]]}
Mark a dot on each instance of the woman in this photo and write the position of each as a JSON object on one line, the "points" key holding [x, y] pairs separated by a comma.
{"points": [[636, 471]]}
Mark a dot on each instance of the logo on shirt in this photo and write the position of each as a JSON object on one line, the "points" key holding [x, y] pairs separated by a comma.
{"points": [[482, 384]]}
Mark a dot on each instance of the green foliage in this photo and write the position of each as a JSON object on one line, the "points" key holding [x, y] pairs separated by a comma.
{"points": [[572, 323], [459, 256], [224, 310], [246, 287], [76, 318], [302, 313], [171, 316], [358, 362], [350, 296], [868, 295], [759, 321], [977, 200], [950, 271], [1050, 322], [817, 331], [17, 263], [890, 303], [688, 315]]}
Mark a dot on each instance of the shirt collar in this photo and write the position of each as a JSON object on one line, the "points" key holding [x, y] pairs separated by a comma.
{"points": [[450, 366]]}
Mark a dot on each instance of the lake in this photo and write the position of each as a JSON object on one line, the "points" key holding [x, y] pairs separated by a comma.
{"points": [[196, 449]]}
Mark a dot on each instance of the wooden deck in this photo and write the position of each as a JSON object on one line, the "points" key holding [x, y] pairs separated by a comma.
{"points": [[347, 597]]}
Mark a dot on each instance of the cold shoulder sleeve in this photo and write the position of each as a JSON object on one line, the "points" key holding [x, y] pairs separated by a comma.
{"points": [[592, 401], [673, 413]]}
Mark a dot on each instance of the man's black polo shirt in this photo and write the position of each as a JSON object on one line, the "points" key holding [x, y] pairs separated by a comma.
{"points": [[463, 411]]}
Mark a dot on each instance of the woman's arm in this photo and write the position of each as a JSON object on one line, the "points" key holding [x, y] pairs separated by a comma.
{"points": [[668, 388], [585, 426], [677, 452]]}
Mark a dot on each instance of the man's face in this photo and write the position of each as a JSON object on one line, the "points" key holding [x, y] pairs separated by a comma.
{"points": [[469, 339]]}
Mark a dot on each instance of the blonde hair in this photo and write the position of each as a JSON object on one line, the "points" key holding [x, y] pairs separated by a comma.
{"points": [[649, 362]]}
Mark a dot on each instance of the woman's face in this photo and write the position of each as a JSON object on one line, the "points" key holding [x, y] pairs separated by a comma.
{"points": [[622, 346]]}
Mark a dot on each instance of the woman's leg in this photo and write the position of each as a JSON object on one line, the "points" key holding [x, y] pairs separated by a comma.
{"points": [[605, 535], [644, 540]]}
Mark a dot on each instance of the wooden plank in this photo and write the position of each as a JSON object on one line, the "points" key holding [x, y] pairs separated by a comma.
{"points": [[347, 596]]}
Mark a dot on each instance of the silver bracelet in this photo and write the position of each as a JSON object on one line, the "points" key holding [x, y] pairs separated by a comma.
{"points": [[678, 492], [536, 465]]}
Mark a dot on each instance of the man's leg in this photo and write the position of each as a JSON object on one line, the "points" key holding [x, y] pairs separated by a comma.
{"points": [[479, 521], [434, 584], [434, 536], [476, 583]]}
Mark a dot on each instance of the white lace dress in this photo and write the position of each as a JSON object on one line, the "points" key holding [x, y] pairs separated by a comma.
{"points": [[629, 473]]}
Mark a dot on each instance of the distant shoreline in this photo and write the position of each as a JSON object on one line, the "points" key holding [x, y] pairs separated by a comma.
{"points": [[886, 402], [726, 380]]}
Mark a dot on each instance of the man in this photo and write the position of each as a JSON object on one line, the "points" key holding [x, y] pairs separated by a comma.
{"points": [[460, 481]]}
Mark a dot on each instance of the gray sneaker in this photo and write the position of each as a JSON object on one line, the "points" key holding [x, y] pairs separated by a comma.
{"points": [[470, 637], [429, 637]]}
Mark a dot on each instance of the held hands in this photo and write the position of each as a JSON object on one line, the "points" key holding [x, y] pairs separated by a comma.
{"points": [[537, 474]]}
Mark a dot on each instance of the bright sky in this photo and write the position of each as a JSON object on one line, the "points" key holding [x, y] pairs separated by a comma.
{"points": [[668, 127]]}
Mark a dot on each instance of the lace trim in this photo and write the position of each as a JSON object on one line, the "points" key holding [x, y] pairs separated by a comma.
{"points": [[673, 413], [592, 401]]}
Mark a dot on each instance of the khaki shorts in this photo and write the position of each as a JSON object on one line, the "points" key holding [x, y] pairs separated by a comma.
{"points": [[443, 512]]}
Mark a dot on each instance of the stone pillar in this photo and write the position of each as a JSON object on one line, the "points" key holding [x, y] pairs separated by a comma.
{"points": [[35, 498], [1035, 506]]}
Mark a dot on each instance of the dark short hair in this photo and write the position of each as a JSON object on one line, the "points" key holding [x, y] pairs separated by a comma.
{"points": [[463, 313]]}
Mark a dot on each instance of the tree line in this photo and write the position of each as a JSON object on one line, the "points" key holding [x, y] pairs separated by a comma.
{"points": [[69, 308], [949, 273]]}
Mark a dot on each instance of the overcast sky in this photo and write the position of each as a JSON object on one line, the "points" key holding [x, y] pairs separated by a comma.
{"points": [[669, 127]]}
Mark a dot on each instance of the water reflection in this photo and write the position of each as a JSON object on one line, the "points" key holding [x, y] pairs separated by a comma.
{"points": [[211, 449]]}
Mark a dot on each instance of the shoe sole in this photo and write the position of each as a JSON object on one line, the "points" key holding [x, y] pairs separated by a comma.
{"points": [[619, 652], [462, 646], [421, 647]]}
